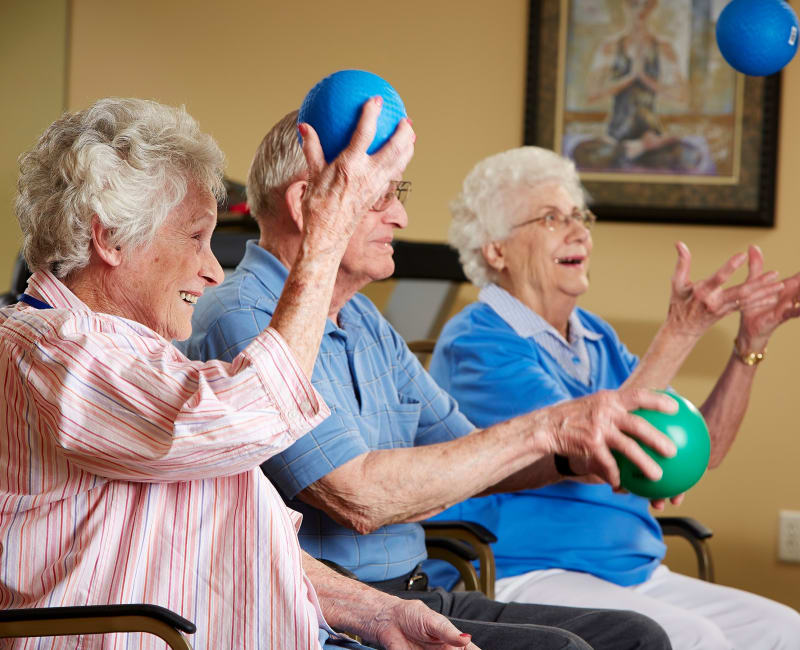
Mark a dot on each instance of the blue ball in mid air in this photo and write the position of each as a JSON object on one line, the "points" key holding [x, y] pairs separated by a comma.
{"points": [[757, 37], [333, 108]]}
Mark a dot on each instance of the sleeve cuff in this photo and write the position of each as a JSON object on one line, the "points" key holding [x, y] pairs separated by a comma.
{"points": [[299, 404]]}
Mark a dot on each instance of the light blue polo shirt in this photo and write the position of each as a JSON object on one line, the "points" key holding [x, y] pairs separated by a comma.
{"points": [[499, 362], [379, 395]]}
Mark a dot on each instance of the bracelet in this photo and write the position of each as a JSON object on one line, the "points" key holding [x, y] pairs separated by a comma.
{"points": [[562, 465], [751, 358]]}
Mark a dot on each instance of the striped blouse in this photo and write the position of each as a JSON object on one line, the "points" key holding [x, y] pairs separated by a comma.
{"points": [[130, 474]]}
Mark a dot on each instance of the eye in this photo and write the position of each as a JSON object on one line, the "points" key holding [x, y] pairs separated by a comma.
{"points": [[551, 218]]}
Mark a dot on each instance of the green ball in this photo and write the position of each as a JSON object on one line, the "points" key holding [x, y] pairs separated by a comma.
{"points": [[688, 430]]}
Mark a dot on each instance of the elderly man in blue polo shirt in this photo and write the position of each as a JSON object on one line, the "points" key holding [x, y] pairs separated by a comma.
{"points": [[396, 449]]}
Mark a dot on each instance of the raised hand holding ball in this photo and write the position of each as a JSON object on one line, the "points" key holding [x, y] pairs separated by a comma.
{"points": [[333, 107], [688, 430]]}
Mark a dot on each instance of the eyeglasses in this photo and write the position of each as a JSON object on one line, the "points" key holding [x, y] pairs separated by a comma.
{"points": [[399, 189], [556, 220]]}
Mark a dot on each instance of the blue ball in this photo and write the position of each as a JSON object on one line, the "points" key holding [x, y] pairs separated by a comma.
{"points": [[333, 108], [757, 37]]}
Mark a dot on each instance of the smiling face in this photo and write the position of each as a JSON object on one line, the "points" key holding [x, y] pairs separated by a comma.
{"points": [[368, 256], [544, 268], [159, 285]]}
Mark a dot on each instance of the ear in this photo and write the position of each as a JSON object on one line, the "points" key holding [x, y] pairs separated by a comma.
{"points": [[101, 241], [494, 255], [294, 201]]}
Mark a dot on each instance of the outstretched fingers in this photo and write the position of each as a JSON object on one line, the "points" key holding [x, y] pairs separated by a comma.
{"points": [[753, 290], [724, 273]]}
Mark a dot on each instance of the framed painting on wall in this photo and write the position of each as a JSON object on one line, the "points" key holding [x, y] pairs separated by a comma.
{"points": [[636, 93]]}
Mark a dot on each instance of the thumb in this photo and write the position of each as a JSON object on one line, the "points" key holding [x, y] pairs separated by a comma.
{"points": [[680, 278]]}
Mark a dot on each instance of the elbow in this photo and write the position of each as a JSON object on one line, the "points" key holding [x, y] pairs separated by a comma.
{"points": [[360, 520]]}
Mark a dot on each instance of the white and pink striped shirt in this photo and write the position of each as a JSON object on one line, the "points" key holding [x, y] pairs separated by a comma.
{"points": [[130, 474]]}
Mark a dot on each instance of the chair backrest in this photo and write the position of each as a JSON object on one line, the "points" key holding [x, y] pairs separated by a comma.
{"points": [[19, 280]]}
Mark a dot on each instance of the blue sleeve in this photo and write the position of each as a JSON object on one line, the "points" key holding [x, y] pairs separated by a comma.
{"points": [[328, 446], [494, 374], [420, 411]]}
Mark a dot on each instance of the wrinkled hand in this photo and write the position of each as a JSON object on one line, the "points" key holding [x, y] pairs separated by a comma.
{"points": [[339, 194], [411, 625], [694, 307], [587, 429], [759, 320]]}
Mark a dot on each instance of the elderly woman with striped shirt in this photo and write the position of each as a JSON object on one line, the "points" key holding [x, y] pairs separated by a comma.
{"points": [[131, 474]]}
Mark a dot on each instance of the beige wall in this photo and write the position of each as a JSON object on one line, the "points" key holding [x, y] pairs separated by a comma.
{"points": [[460, 68], [32, 78]]}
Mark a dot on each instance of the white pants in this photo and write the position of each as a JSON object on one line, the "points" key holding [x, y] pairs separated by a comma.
{"points": [[695, 614]]}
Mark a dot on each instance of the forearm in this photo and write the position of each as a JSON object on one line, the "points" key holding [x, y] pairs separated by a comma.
{"points": [[304, 304], [408, 484], [664, 357], [725, 407], [348, 605]]}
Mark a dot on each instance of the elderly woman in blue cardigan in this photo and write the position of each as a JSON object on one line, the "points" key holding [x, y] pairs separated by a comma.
{"points": [[523, 233]]}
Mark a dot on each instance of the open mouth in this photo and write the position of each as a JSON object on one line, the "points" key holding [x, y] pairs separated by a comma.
{"points": [[188, 297], [570, 261]]}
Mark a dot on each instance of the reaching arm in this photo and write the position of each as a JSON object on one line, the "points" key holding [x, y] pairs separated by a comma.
{"points": [[725, 407], [408, 484], [693, 309], [394, 623]]}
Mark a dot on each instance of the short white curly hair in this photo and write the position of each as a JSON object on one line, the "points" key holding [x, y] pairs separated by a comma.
{"points": [[278, 161], [490, 200], [128, 161]]}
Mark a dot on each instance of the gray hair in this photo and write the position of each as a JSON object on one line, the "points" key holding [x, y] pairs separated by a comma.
{"points": [[128, 161], [278, 161], [490, 199]]}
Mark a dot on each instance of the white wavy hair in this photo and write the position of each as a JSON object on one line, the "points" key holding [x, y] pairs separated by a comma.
{"points": [[491, 199], [278, 161], [128, 161]]}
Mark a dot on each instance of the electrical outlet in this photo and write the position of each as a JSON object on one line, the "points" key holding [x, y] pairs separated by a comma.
{"points": [[789, 536]]}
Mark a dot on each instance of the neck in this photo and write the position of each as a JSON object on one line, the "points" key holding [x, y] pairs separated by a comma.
{"points": [[555, 309], [93, 286]]}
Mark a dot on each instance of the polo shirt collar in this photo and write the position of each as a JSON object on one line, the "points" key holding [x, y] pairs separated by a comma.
{"points": [[526, 322]]}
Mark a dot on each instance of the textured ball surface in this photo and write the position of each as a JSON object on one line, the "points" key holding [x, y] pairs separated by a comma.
{"points": [[757, 37], [688, 430], [333, 108]]}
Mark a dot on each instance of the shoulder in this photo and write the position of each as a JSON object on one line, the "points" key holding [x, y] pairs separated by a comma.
{"points": [[362, 309], [477, 321], [594, 323]]}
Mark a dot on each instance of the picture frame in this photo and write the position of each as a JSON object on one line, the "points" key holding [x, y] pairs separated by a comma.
{"points": [[705, 153]]}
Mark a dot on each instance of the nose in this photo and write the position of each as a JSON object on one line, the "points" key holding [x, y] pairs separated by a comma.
{"points": [[578, 230], [211, 271], [396, 214]]}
